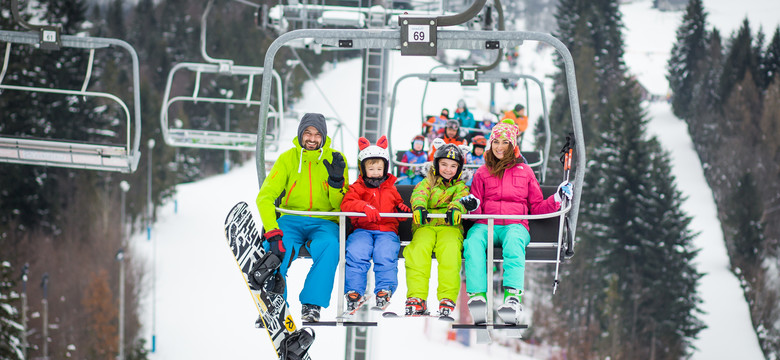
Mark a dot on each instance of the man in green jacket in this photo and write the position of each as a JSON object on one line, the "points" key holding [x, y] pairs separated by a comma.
{"points": [[312, 177]]}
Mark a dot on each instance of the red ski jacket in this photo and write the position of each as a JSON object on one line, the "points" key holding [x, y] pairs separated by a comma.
{"points": [[385, 198]]}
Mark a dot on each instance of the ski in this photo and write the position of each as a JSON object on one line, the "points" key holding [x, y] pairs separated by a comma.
{"points": [[478, 310], [393, 315], [350, 313], [258, 270]]}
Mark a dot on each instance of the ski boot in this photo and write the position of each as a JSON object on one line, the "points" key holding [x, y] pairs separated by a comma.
{"points": [[446, 307], [383, 299], [511, 309], [478, 307], [353, 300], [310, 313], [415, 306]]}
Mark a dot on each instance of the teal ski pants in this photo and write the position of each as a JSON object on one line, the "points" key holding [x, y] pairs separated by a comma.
{"points": [[514, 238]]}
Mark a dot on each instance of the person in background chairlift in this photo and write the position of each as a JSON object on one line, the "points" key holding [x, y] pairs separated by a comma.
{"points": [[506, 186], [438, 193], [313, 177], [464, 116], [452, 134], [477, 154], [487, 123], [374, 237], [521, 120], [434, 126], [412, 175]]}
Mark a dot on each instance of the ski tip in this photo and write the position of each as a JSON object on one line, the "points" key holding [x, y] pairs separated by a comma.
{"points": [[446, 318], [389, 314]]}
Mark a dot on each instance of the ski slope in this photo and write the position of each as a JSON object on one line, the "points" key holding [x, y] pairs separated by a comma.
{"points": [[201, 309]]}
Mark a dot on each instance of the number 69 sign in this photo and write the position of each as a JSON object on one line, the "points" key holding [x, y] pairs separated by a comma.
{"points": [[419, 33]]}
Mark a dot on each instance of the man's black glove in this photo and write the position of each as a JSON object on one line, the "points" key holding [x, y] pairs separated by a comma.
{"points": [[274, 238], [335, 170]]}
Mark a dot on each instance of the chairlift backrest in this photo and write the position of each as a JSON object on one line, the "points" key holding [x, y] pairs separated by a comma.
{"points": [[67, 152], [489, 77]]}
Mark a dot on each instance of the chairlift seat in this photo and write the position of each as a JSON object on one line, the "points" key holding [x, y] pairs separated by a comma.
{"points": [[66, 154]]}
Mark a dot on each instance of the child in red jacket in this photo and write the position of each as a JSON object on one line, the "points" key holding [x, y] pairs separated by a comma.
{"points": [[372, 193]]}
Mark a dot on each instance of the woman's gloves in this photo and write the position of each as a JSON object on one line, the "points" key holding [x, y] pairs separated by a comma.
{"points": [[564, 189]]}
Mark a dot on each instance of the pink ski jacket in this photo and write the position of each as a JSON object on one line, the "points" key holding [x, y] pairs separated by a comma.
{"points": [[517, 193]]}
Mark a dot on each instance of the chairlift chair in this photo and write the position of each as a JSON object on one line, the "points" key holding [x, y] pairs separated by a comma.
{"points": [[489, 77], [443, 39], [70, 153], [214, 139]]}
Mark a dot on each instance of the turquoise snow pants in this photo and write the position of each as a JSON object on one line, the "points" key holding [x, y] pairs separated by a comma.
{"points": [[514, 238], [321, 238]]}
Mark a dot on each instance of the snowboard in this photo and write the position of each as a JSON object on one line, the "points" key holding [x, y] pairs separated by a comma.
{"points": [[245, 242]]}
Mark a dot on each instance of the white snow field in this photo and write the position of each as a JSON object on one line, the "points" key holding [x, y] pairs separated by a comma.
{"points": [[202, 309]]}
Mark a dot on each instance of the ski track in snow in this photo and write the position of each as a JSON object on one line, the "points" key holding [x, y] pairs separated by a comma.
{"points": [[203, 310]]}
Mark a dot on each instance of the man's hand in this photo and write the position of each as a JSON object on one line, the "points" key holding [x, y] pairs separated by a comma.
{"points": [[274, 238], [372, 214], [336, 170], [452, 216], [420, 216], [470, 202]]}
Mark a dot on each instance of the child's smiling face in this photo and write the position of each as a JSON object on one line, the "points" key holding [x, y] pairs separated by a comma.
{"points": [[448, 168]]}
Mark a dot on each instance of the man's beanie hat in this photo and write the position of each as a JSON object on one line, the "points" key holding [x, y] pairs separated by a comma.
{"points": [[312, 119]]}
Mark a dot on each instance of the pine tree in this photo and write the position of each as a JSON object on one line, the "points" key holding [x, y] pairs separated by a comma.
{"points": [[771, 59], [741, 58], [687, 53], [647, 243], [11, 330]]}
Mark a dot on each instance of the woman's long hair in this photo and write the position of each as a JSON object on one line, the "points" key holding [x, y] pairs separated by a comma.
{"points": [[497, 166]]}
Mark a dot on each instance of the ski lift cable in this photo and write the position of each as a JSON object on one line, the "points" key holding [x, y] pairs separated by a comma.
{"points": [[447, 39]]}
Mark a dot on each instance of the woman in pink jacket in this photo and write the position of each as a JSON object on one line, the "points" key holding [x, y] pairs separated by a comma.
{"points": [[507, 186]]}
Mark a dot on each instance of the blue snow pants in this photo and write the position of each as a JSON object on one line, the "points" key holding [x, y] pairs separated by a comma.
{"points": [[321, 239], [383, 247], [514, 238]]}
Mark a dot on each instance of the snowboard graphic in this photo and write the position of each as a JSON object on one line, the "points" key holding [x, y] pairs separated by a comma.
{"points": [[245, 242]]}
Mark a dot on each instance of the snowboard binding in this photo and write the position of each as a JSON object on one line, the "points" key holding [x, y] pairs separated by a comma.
{"points": [[295, 346], [263, 270]]}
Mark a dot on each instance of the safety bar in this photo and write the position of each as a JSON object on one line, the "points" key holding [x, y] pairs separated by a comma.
{"points": [[342, 215], [69, 153]]}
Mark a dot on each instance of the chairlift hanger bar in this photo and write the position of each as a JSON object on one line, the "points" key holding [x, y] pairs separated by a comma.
{"points": [[448, 39]]}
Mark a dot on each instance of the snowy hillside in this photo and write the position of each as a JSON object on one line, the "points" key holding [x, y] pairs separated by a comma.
{"points": [[202, 307]]}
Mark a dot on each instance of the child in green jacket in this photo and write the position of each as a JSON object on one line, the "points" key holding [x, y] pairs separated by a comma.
{"points": [[438, 193]]}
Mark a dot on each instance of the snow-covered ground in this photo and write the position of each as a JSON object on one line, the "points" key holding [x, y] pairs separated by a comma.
{"points": [[202, 307]]}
